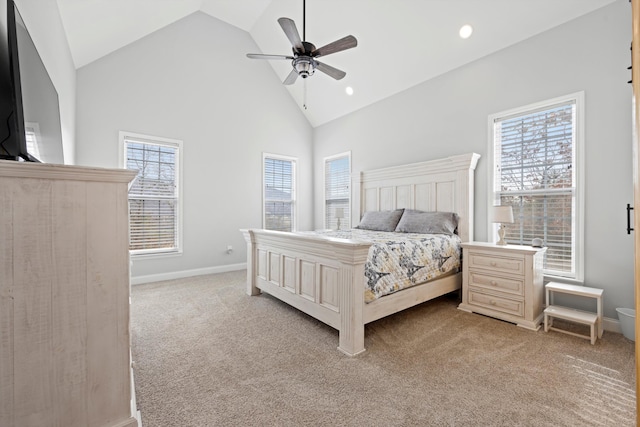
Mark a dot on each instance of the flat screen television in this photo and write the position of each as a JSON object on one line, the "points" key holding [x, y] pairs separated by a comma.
{"points": [[29, 112]]}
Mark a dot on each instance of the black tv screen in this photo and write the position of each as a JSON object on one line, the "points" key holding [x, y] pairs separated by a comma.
{"points": [[30, 105]]}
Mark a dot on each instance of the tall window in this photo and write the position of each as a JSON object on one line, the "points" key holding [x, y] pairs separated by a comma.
{"points": [[337, 191], [536, 170], [279, 187], [154, 196]]}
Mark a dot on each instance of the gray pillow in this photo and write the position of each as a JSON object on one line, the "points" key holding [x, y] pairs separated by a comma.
{"points": [[414, 221], [380, 220]]}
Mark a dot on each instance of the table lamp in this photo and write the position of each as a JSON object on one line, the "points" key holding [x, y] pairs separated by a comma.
{"points": [[501, 215]]}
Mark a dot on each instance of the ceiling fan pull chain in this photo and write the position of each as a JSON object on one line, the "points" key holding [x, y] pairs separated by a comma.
{"points": [[304, 94]]}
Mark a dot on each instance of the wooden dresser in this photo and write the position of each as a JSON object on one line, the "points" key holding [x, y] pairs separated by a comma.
{"points": [[505, 282], [64, 296]]}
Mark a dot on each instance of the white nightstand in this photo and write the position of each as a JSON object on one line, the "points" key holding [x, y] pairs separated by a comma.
{"points": [[505, 282]]}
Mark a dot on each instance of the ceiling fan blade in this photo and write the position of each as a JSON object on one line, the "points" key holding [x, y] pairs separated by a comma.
{"points": [[330, 71], [291, 78], [261, 56], [344, 43], [291, 31]]}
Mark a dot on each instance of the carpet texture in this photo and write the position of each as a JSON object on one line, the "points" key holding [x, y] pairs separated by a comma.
{"points": [[206, 354]]}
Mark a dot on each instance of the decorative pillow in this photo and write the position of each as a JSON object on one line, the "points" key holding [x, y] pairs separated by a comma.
{"points": [[380, 220], [414, 221]]}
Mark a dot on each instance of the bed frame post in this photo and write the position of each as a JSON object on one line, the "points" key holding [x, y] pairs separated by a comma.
{"points": [[351, 340], [251, 262]]}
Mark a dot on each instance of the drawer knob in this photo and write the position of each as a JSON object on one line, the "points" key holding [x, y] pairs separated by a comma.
{"points": [[494, 283], [493, 263], [492, 302]]}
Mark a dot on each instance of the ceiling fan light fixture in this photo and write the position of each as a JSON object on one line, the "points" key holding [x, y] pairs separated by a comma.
{"points": [[304, 65]]}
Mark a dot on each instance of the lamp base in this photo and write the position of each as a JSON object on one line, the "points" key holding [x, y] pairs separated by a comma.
{"points": [[501, 241]]}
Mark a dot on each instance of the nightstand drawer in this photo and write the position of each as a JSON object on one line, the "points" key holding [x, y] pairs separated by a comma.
{"points": [[494, 263], [493, 302], [502, 284]]}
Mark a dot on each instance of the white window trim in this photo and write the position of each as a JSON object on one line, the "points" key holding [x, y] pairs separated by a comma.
{"points": [[294, 160], [123, 135], [578, 97], [324, 187]]}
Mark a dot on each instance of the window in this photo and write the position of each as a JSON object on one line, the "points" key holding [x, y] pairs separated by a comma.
{"points": [[337, 191], [279, 186], [154, 196], [537, 169], [34, 139]]}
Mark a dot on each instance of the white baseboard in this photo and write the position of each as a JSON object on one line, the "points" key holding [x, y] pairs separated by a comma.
{"points": [[138, 280], [612, 325]]}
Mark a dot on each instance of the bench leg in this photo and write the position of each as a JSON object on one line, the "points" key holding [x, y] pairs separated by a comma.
{"points": [[599, 311], [548, 322], [593, 333]]}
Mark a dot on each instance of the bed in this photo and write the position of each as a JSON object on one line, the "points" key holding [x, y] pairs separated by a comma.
{"points": [[324, 276]]}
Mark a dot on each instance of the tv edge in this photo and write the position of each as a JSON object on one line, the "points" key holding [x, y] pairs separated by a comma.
{"points": [[29, 109]]}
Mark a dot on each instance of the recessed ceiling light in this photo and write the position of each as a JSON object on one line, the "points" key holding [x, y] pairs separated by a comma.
{"points": [[465, 31], [349, 90]]}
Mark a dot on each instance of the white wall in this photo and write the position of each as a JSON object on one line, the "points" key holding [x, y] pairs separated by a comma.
{"points": [[43, 21], [448, 115], [192, 81]]}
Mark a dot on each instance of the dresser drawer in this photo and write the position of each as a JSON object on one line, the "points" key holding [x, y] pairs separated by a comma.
{"points": [[502, 284], [494, 263], [495, 303]]}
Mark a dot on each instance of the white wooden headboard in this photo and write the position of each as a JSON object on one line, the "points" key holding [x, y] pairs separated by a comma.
{"points": [[444, 185]]}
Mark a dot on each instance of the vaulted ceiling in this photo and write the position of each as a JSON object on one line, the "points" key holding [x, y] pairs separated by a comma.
{"points": [[401, 43]]}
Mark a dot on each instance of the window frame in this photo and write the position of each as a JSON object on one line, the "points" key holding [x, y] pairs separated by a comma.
{"points": [[294, 189], [578, 170], [167, 142], [325, 160]]}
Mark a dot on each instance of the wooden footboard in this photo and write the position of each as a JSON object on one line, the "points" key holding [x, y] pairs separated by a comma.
{"points": [[321, 277], [324, 278]]}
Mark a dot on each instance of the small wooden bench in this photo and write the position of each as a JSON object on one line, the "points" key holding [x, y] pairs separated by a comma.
{"points": [[594, 320]]}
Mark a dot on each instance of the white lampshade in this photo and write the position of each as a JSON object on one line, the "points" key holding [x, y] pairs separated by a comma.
{"points": [[339, 212], [502, 214]]}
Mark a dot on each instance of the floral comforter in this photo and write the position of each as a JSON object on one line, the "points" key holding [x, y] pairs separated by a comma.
{"points": [[400, 260]]}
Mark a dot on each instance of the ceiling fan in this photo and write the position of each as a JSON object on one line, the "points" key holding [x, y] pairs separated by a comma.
{"points": [[304, 60]]}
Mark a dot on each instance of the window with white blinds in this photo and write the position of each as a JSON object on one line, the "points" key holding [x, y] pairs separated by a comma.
{"points": [[337, 191], [154, 196], [279, 192], [535, 167]]}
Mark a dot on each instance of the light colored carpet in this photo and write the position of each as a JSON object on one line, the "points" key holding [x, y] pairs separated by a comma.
{"points": [[207, 354]]}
